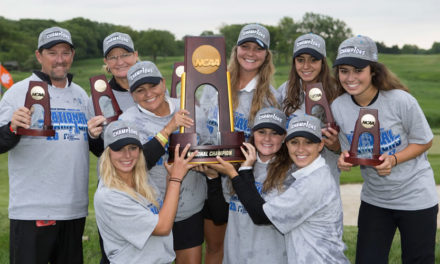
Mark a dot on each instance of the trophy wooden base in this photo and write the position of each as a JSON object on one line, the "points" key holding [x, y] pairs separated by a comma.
{"points": [[374, 161], [45, 132], [230, 151]]}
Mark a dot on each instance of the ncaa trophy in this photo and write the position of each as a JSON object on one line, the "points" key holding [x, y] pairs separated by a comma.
{"points": [[315, 96], [367, 122], [205, 63], [38, 102], [176, 77], [104, 101]]}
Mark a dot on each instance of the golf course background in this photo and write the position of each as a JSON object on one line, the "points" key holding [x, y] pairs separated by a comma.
{"points": [[421, 73]]}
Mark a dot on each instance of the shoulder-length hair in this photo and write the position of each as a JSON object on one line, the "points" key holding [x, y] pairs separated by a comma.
{"points": [[111, 179]]}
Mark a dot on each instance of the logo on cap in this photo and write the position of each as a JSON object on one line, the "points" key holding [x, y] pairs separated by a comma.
{"points": [[139, 72], [270, 116], [57, 34], [124, 130], [308, 41], [121, 38], [305, 124], [254, 31], [352, 49]]}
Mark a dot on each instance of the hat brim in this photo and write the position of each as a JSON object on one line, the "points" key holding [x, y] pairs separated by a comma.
{"points": [[127, 48], [310, 51], [303, 134], [117, 145], [55, 42], [278, 129], [150, 79], [255, 40], [355, 62]]}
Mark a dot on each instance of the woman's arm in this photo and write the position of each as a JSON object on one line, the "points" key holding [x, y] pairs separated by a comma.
{"points": [[246, 190], [176, 172], [410, 152], [250, 198]]}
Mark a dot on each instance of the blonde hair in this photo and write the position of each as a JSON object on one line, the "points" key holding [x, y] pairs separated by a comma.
{"points": [[262, 91], [111, 179]]}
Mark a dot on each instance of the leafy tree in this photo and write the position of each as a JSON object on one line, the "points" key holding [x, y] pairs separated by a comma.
{"points": [[207, 33], [157, 43], [410, 49], [287, 33], [435, 49], [334, 31], [230, 32]]}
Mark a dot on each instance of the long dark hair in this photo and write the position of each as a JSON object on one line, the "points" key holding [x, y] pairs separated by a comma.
{"points": [[293, 99]]}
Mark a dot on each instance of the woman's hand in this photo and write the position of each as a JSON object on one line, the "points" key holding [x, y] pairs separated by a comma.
{"points": [[179, 119], [331, 140], [250, 154], [342, 165], [384, 169], [95, 125], [224, 167], [209, 172], [181, 164]]}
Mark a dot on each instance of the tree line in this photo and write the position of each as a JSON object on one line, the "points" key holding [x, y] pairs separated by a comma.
{"points": [[19, 38]]}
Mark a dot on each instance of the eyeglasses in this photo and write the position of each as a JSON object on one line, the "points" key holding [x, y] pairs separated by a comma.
{"points": [[123, 56]]}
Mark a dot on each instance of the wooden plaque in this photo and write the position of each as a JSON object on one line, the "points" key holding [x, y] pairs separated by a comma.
{"points": [[38, 94], [367, 122], [315, 95], [205, 63], [101, 90]]}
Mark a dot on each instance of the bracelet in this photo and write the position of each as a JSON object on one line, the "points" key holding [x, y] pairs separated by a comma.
{"points": [[395, 158], [12, 130], [175, 180], [162, 138]]}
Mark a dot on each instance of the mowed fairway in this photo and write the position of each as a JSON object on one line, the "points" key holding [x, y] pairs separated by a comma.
{"points": [[420, 72]]}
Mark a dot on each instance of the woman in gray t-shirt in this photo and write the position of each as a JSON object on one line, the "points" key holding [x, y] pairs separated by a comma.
{"points": [[400, 192], [308, 209], [309, 65], [127, 204]]}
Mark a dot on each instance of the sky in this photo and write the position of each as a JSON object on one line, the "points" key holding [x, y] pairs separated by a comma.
{"points": [[394, 22]]}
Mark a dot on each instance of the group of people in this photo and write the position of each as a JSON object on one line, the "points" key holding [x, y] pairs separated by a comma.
{"points": [[281, 205]]}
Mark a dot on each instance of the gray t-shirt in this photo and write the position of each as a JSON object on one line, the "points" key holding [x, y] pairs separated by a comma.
{"points": [[331, 158], [193, 190], [246, 242], [126, 226], [309, 214], [209, 105], [410, 186], [49, 176]]}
